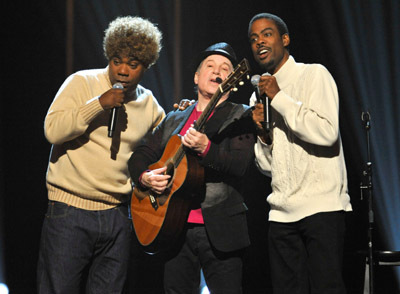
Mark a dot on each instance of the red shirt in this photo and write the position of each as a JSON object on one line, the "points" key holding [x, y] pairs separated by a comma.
{"points": [[195, 215]]}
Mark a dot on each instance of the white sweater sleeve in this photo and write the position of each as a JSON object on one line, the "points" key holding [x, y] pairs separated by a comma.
{"points": [[314, 119], [263, 157]]}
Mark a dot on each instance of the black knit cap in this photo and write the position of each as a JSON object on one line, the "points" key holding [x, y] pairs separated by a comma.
{"points": [[221, 48]]}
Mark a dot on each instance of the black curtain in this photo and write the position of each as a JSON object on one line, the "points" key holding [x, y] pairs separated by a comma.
{"points": [[358, 42]]}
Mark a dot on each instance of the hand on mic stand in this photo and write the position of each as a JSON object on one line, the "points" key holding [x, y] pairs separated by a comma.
{"points": [[114, 114]]}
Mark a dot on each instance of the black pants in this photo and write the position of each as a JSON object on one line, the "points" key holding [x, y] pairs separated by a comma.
{"points": [[222, 271], [306, 256]]}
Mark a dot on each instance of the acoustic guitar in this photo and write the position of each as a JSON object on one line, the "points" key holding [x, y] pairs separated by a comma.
{"points": [[159, 219]]}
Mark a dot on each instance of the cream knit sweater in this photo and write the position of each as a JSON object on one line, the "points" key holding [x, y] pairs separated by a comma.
{"points": [[87, 169], [306, 158]]}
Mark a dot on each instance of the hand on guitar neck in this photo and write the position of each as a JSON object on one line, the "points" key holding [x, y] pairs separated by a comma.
{"points": [[195, 140], [156, 180]]}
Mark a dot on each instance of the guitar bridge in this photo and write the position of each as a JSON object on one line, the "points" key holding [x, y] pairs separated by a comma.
{"points": [[153, 202]]}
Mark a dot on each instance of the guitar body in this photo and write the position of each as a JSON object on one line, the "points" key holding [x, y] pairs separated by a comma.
{"points": [[158, 220]]}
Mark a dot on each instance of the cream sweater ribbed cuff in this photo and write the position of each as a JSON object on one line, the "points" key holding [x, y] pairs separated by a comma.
{"points": [[91, 109]]}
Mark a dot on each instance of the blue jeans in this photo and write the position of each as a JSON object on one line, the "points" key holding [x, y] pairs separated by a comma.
{"points": [[84, 249]]}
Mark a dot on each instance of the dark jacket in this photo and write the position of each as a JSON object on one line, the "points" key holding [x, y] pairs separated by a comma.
{"points": [[230, 130]]}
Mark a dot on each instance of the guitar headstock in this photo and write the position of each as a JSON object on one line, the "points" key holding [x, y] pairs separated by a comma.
{"points": [[236, 77]]}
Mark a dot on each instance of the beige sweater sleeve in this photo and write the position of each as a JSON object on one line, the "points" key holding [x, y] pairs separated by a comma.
{"points": [[70, 113]]}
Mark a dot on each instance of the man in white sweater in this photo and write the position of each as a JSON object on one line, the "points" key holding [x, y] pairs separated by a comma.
{"points": [[303, 154], [87, 228]]}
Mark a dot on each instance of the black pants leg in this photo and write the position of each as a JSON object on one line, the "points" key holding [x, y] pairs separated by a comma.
{"points": [[306, 256]]}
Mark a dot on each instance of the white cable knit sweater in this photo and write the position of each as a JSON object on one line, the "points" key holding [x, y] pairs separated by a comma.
{"points": [[306, 158]]}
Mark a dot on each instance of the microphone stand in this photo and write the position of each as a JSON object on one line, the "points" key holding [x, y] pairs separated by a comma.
{"points": [[263, 99], [265, 124], [367, 185]]}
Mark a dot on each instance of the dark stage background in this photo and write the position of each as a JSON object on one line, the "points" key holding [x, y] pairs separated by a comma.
{"points": [[358, 41]]}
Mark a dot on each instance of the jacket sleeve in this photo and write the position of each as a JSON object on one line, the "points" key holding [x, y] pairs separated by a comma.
{"points": [[233, 154]]}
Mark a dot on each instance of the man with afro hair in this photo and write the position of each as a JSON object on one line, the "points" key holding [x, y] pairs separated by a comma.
{"points": [[87, 228]]}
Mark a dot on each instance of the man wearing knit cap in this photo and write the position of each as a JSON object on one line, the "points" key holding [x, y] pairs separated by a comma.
{"points": [[87, 228], [215, 233]]}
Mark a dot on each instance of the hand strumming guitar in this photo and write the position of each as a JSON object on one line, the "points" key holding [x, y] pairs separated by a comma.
{"points": [[155, 180]]}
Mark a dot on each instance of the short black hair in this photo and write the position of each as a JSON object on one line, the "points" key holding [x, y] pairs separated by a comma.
{"points": [[280, 24]]}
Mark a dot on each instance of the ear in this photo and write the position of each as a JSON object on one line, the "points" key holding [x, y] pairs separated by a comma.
{"points": [[286, 40], [196, 78]]}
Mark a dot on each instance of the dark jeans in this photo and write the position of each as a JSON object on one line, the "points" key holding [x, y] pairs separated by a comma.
{"points": [[222, 271], [83, 249], [306, 256]]}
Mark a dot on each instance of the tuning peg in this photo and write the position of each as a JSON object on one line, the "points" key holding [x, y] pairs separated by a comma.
{"points": [[235, 89], [241, 83], [248, 77]]}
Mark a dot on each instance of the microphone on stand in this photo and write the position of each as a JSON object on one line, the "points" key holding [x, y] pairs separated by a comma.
{"points": [[114, 114], [264, 100]]}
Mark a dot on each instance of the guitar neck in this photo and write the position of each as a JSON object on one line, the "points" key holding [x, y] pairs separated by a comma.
{"points": [[198, 125], [201, 121], [179, 154]]}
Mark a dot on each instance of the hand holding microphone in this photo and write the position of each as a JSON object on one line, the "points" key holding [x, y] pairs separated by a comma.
{"points": [[114, 114], [112, 99], [266, 85], [261, 96]]}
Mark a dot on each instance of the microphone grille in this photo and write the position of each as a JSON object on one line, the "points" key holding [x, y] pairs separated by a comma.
{"points": [[255, 79], [118, 86]]}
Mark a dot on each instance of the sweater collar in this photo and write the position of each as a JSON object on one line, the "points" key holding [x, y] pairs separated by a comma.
{"points": [[284, 74]]}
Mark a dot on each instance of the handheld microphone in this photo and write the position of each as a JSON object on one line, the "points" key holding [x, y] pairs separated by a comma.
{"points": [[114, 114], [254, 81], [264, 100]]}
